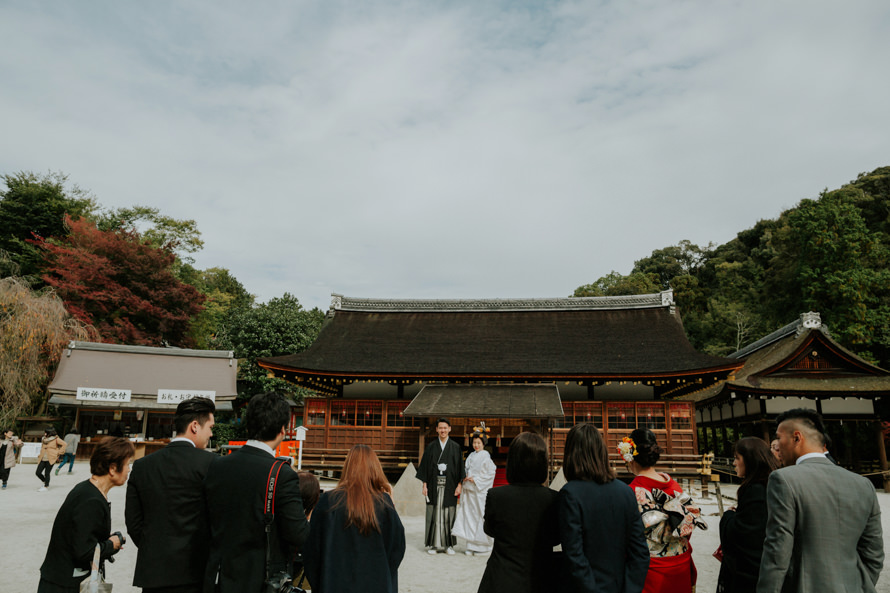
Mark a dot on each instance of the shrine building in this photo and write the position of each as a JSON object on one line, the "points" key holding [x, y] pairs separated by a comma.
{"points": [[384, 370], [799, 366]]}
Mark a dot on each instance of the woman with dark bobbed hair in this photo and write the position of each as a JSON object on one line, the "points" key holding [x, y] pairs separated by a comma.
{"points": [[84, 521], [599, 524], [669, 516], [743, 528], [521, 517]]}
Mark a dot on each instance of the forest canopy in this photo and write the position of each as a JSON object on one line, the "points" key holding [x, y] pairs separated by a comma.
{"points": [[828, 254]]}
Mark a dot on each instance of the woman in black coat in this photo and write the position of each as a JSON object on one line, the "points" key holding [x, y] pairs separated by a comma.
{"points": [[521, 517], [743, 528], [356, 539], [84, 520], [599, 522]]}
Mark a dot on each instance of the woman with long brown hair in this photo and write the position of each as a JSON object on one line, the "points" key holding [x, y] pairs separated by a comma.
{"points": [[356, 540], [743, 528]]}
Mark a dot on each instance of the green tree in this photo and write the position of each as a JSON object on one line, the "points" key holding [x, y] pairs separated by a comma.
{"points": [[615, 284], [683, 259], [830, 261], [276, 328], [34, 206], [181, 237], [224, 294]]}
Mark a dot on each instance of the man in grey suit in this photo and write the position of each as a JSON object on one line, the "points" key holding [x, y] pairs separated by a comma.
{"points": [[824, 527]]}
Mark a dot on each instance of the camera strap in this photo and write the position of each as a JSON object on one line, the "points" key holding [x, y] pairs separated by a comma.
{"points": [[269, 511]]}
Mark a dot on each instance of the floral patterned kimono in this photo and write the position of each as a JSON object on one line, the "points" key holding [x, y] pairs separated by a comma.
{"points": [[471, 510], [669, 517]]}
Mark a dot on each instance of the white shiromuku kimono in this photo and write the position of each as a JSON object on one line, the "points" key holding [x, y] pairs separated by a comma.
{"points": [[471, 510]]}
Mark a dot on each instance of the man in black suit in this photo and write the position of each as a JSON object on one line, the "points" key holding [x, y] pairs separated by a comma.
{"points": [[235, 490], [165, 512]]}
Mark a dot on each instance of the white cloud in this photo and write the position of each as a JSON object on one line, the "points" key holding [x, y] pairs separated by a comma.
{"points": [[409, 149]]}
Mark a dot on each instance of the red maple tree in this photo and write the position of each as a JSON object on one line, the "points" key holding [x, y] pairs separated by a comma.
{"points": [[121, 285]]}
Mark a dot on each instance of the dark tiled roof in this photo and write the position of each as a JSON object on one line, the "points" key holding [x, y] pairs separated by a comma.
{"points": [[503, 341], [779, 349], [501, 401]]}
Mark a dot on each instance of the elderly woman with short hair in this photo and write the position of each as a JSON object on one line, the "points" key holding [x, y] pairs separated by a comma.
{"points": [[84, 521]]}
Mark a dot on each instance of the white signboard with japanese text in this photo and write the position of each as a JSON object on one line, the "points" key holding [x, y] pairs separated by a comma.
{"points": [[101, 394], [174, 396], [30, 450]]}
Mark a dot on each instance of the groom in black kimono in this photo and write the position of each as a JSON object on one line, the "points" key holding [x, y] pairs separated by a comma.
{"points": [[442, 471]]}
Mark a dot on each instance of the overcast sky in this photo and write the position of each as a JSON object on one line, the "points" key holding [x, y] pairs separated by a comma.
{"points": [[446, 149]]}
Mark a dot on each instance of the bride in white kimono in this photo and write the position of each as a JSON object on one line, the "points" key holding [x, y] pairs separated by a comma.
{"points": [[471, 510]]}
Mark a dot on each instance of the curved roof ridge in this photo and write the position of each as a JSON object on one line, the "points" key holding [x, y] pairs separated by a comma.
{"points": [[636, 301], [809, 320]]}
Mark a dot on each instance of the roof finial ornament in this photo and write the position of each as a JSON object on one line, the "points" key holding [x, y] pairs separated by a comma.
{"points": [[811, 320]]}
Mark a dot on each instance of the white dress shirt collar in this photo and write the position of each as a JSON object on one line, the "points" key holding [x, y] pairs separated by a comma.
{"points": [[809, 456], [261, 446]]}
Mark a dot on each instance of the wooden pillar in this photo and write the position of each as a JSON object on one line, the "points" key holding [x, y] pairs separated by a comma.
{"points": [[882, 455]]}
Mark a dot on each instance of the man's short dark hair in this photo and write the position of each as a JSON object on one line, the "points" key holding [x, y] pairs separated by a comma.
{"points": [[445, 420], [267, 414], [527, 459], [807, 418], [196, 408]]}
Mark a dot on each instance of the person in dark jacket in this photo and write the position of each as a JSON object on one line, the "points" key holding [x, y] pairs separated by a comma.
{"points": [[521, 517], [84, 520], [743, 528], [235, 491], [599, 522], [356, 539], [166, 515]]}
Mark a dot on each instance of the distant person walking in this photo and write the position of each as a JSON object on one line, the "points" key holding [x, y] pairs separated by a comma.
{"points": [[72, 439], [824, 527], [8, 446], [51, 447], [166, 514], [356, 539]]}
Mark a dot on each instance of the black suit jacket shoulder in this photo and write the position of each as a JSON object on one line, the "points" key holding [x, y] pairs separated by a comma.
{"points": [[235, 490], [522, 520], [166, 516]]}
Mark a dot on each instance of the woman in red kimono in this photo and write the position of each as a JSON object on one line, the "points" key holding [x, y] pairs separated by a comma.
{"points": [[669, 516]]}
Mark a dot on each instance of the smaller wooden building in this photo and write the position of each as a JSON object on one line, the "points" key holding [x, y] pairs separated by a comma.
{"points": [[133, 391], [798, 366]]}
